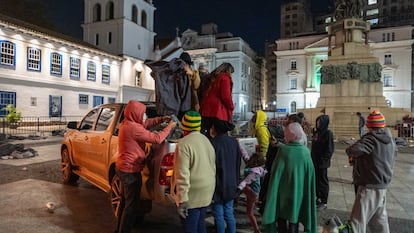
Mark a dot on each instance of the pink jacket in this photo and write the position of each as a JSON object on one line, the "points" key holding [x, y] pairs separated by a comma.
{"points": [[217, 101], [133, 135]]}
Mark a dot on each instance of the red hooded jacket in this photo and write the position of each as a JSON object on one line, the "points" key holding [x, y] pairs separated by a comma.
{"points": [[133, 135]]}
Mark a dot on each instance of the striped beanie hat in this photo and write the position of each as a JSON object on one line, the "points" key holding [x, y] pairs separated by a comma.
{"points": [[191, 121], [375, 120]]}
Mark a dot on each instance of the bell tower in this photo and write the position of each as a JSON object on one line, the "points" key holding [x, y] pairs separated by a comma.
{"points": [[121, 27]]}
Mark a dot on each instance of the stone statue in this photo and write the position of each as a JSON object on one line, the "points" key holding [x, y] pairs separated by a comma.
{"points": [[348, 9]]}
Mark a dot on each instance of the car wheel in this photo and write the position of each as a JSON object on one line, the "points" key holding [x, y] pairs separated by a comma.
{"points": [[68, 176], [116, 195]]}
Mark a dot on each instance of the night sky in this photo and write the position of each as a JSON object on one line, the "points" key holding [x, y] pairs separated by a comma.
{"points": [[254, 21]]}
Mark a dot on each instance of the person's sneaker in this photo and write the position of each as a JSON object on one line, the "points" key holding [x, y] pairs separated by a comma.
{"points": [[322, 206], [318, 201]]}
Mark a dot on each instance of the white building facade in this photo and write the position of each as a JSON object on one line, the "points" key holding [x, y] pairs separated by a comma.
{"points": [[44, 73], [299, 60]]}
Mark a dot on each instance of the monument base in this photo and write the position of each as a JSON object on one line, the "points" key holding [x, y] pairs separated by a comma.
{"points": [[342, 101]]}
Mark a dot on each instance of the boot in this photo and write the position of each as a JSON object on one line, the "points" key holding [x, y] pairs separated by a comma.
{"points": [[282, 225], [293, 228]]}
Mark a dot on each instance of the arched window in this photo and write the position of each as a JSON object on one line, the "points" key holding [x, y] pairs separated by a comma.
{"points": [[96, 12], [293, 106], [110, 10], [144, 19], [134, 14]]}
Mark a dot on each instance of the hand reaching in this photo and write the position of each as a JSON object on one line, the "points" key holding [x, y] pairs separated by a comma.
{"points": [[173, 124], [182, 210], [166, 119]]}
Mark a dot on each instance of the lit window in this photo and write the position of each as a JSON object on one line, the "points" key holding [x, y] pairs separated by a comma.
{"points": [[387, 59], [74, 67], [373, 21], [7, 53], [293, 83], [5, 99], [97, 100], [33, 59], [111, 100], [293, 64], [293, 106], [56, 64], [91, 75], [371, 2], [83, 99], [372, 12], [137, 78], [106, 71], [387, 80]]}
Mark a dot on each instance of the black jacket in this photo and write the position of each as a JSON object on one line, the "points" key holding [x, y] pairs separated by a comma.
{"points": [[322, 144], [172, 87]]}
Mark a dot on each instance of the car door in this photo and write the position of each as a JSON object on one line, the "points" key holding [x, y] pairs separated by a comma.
{"points": [[97, 150], [80, 139]]}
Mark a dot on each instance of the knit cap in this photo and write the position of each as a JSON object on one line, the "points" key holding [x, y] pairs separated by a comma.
{"points": [[191, 121], [375, 120]]}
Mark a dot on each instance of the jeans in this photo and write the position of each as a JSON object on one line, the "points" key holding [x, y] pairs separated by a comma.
{"points": [[195, 221], [131, 190], [223, 212]]}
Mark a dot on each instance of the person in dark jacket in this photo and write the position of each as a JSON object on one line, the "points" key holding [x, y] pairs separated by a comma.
{"points": [[133, 134], [277, 139], [322, 150], [361, 124], [373, 156], [228, 160]]}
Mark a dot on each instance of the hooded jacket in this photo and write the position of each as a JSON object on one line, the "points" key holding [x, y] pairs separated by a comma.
{"points": [[374, 156], [261, 132], [133, 135], [322, 144]]}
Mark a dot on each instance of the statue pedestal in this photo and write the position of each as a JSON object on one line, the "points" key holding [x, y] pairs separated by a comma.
{"points": [[351, 81]]}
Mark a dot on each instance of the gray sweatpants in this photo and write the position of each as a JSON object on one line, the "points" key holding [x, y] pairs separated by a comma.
{"points": [[369, 211]]}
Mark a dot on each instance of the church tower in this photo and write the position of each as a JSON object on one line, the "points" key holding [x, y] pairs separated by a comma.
{"points": [[121, 27]]}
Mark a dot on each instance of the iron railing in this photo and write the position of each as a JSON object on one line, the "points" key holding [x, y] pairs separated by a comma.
{"points": [[39, 125]]}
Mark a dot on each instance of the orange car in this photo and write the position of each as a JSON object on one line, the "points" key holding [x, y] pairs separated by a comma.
{"points": [[89, 151]]}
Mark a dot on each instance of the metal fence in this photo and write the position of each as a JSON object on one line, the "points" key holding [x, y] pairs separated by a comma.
{"points": [[40, 125]]}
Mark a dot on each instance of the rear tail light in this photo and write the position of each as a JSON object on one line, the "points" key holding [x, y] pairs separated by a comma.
{"points": [[166, 170]]}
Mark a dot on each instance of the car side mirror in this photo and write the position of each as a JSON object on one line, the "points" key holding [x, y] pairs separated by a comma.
{"points": [[72, 125]]}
